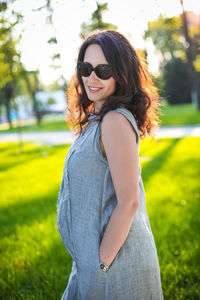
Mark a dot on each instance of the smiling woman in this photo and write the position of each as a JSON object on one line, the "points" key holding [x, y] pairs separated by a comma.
{"points": [[106, 71], [99, 84], [101, 210]]}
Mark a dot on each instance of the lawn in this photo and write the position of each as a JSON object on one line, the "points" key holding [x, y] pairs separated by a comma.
{"points": [[46, 124], [35, 264], [182, 114]]}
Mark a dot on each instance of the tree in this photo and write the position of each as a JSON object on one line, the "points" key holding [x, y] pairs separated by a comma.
{"points": [[32, 86], [10, 65], [14, 78], [192, 51], [176, 81], [96, 21], [169, 38], [166, 34]]}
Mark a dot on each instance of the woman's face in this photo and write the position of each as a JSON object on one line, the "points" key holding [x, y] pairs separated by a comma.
{"points": [[97, 89]]}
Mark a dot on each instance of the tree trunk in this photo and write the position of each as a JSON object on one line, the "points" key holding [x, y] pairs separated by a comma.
{"points": [[36, 110], [0, 113], [8, 94], [195, 90], [8, 113], [32, 92]]}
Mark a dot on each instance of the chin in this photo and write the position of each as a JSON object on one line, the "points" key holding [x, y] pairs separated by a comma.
{"points": [[94, 99]]}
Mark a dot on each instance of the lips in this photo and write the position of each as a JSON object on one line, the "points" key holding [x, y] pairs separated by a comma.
{"points": [[93, 89]]}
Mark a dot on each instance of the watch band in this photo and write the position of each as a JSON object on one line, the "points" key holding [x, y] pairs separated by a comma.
{"points": [[103, 267]]}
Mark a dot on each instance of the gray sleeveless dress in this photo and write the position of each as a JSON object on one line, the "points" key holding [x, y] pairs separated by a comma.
{"points": [[86, 201]]}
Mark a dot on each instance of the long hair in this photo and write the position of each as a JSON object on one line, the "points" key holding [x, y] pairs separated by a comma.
{"points": [[134, 87]]}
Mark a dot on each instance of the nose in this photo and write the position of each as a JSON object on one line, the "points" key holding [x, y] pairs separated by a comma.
{"points": [[92, 76]]}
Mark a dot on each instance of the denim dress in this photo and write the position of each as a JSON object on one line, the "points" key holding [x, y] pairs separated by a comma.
{"points": [[85, 204]]}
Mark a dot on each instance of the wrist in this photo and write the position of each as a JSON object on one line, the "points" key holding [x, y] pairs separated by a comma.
{"points": [[103, 266]]}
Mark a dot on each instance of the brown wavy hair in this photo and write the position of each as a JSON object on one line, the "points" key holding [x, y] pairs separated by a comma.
{"points": [[135, 89]]}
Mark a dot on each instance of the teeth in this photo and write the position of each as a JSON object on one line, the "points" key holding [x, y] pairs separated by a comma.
{"points": [[93, 89]]}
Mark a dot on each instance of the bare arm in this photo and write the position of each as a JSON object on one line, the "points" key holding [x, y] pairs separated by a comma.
{"points": [[119, 141]]}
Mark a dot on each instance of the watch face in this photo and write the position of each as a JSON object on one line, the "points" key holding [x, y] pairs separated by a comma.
{"points": [[103, 267]]}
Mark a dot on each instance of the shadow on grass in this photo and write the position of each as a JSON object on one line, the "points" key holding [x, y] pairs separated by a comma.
{"points": [[29, 210], [8, 147], [180, 257], [39, 207], [153, 166], [13, 158], [46, 276], [176, 223]]}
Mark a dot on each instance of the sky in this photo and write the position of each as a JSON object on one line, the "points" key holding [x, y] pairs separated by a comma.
{"points": [[131, 17]]}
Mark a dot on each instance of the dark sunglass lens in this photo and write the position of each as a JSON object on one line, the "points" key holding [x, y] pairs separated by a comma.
{"points": [[104, 71], [85, 69]]}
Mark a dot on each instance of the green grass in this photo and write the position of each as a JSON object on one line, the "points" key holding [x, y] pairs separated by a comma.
{"points": [[46, 124], [182, 114], [34, 262]]}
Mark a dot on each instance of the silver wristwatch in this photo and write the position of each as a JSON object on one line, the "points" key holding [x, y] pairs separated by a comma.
{"points": [[103, 267]]}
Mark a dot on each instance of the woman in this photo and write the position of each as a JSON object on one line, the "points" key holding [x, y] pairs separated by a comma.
{"points": [[101, 212]]}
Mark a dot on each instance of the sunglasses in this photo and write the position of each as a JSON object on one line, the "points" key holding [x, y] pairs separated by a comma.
{"points": [[102, 71]]}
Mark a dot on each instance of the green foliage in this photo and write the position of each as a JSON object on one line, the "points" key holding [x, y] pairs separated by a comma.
{"points": [[167, 36], [179, 37], [96, 21], [28, 82], [192, 34], [34, 262], [3, 6], [52, 40], [32, 86], [9, 56], [159, 83], [177, 86], [10, 65]]}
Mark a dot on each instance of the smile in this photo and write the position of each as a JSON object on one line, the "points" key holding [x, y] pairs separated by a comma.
{"points": [[94, 89]]}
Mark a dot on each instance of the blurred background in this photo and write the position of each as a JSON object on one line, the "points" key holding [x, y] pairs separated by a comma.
{"points": [[39, 42]]}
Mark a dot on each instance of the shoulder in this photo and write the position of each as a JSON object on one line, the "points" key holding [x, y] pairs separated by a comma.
{"points": [[115, 118], [112, 117], [119, 121]]}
